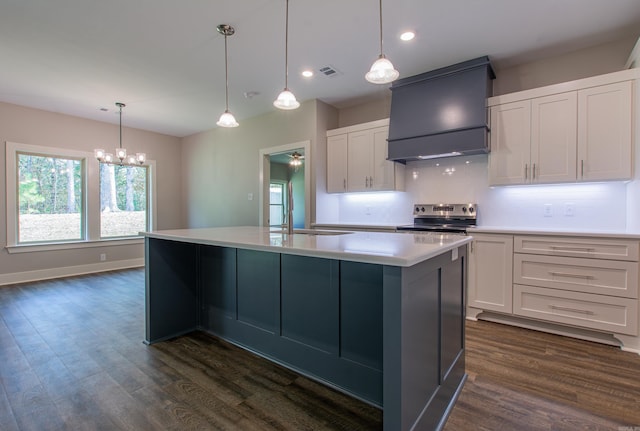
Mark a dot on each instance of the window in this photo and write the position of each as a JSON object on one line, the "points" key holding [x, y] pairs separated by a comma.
{"points": [[123, 200], [55, 199], [50, 194], [276, 204]]}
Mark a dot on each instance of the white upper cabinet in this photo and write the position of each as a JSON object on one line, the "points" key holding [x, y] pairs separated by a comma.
{"points": [[545, 135], [357, 160], [510, 143], [360, 160], [605, 132], [337, 163], [553, 138]]}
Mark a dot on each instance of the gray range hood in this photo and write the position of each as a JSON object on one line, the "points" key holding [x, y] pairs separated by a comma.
{"points": [[441, 113]]}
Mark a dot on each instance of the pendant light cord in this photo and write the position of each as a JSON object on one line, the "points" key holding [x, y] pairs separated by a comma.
{"points": [[226, 75], [120, 105], [380, 27], [286, 47]]}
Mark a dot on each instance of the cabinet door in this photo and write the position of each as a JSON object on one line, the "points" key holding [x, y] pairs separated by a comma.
{"points": [[337, 163], [383, 169], [604, 132], [554, 138], [491, 273], [510, 143], [360, 161]]}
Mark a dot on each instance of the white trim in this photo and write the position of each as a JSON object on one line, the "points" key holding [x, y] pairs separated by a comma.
{"points": [[264, 167], [632, 61], [68, 271], [90, 199], [28, 248], [594, 81]]}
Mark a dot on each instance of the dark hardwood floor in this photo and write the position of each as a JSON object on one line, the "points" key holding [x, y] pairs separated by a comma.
{"points": [[72, 358]]}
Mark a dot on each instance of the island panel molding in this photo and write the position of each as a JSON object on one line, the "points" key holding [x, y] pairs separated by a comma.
{"points": [[391, 335]]}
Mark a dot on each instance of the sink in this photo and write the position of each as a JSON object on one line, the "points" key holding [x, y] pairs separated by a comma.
{"points": [[313, 232]]}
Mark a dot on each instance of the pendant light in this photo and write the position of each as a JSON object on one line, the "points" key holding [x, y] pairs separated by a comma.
{"points": [[382, 71], [120, 153], [226, 119], [286, 99]]}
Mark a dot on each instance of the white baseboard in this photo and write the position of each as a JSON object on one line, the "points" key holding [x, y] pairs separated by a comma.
{"points": [[68, 271]]}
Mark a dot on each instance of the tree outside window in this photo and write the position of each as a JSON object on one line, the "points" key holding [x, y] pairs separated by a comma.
{"points": [[123, 200], [50, 199]]}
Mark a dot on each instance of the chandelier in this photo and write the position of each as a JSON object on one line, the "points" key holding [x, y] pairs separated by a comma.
{"points": [[120, 153]]}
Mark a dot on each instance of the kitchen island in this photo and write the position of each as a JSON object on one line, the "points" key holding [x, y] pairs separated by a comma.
{"points": [[377, 315]]}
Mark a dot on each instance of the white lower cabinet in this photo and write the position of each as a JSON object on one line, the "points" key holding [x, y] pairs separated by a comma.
{"points": [[583, 282], [490, 272], [604, 313]]}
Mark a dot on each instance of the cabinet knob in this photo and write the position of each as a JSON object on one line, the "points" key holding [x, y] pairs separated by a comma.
{"points": [[526, 171]]}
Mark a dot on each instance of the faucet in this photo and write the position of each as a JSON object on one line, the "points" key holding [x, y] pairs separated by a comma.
{"points": [[290, 208]]}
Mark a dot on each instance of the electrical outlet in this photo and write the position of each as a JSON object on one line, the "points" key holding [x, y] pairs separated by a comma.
{"points": [[569, 209], [103, 257], [547, 210], [367, 210]]}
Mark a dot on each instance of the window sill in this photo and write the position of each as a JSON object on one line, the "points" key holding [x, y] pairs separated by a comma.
{"points": [[29, 248]]}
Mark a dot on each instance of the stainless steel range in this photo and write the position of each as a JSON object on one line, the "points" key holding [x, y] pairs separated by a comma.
{"points": [[442, 218]]}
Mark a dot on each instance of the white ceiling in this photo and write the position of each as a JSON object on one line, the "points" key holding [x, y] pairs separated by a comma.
{"points": [[165, 60]]}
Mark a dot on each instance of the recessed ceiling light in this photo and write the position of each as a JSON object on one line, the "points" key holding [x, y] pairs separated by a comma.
{"points": [[407, 35], [307, 73]]}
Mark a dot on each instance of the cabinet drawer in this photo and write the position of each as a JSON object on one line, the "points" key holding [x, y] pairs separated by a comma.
{"points": [[617, 315], [597, 248], [604, 277]]}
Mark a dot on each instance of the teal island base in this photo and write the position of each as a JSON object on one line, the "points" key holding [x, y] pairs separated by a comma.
{"points": [[392, 336]]}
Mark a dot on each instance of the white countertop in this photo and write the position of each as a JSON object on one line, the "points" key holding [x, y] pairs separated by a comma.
{"points": [[356, 226], [553, 232], [385, 248]]}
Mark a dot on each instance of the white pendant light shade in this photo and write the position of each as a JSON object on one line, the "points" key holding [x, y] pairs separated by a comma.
{"points": [[227, 120], [382, 72], [286, 100]]}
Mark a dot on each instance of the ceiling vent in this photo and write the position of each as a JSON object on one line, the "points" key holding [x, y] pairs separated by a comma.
{"points": [[329, 71]]}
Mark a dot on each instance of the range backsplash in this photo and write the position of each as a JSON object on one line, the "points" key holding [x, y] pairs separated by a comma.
{"points": [[589, 206]]}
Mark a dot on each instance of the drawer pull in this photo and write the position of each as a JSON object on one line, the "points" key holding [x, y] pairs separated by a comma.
{"points": [[566, 274], [573, 310], [568, 248]]}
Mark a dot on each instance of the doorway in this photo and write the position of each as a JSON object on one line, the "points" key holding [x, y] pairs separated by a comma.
{"points": [[275, 173]]}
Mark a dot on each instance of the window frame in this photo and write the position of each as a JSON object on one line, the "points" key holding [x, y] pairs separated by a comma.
{"points": [[90, 200], [283, 184]]}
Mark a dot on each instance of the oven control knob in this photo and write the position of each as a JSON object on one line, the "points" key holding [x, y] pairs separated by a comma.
{"points": [[464, 209], [422, 209], [471, 209]]}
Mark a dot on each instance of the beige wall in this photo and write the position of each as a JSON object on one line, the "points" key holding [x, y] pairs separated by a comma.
{"points": [[221, 166], [36, 127], [596, 60], [363, 113]]}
